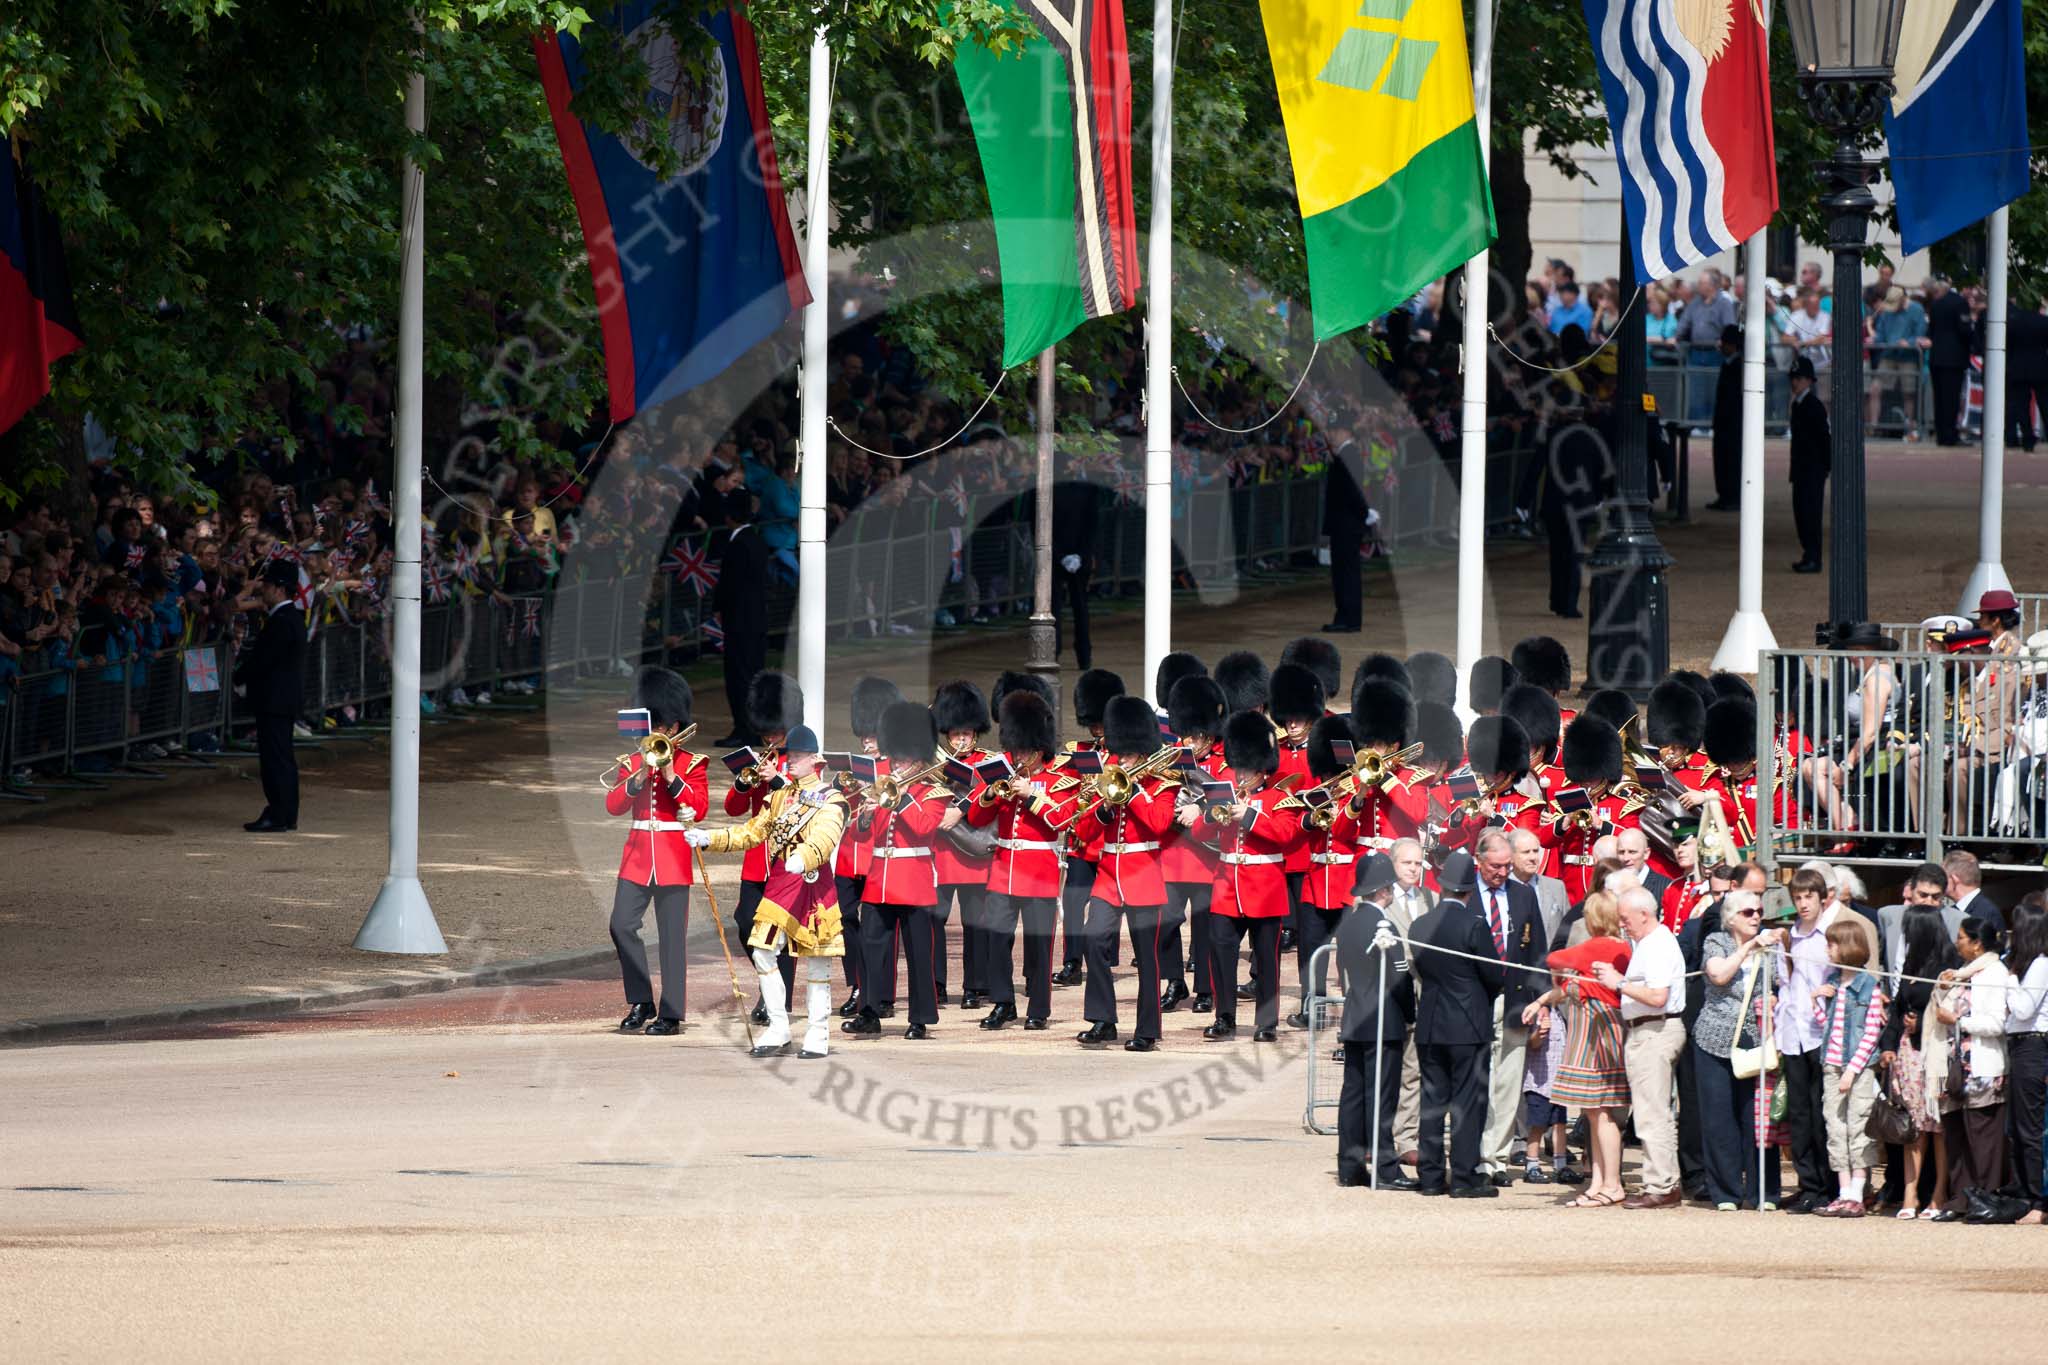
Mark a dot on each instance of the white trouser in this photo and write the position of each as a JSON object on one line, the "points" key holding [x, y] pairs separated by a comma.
{"points": [[818, 1001]]}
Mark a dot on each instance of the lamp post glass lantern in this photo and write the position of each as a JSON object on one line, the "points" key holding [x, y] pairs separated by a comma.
{"points": [[1845, 51]]}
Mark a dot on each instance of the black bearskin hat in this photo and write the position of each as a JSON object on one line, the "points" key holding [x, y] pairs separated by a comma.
{"points": [[1442, 737], [1697, 683], [1293, 693], [1243, 678], [908, 735], [1731, 732], [1536, 712], [1382, 712], [1677, 716], [871, 697], [1130, 726], [774, 703], [1731, 687], [960, 706], [665, 695], [1433, 677], [1175, 666], [1196, 707], [1612, 705], [1027, 725], [1497, 745], [1592, 751], [1011, 680], [1319, 657], [1543, 663], [1248, 744], [1492, 676], [1323, 762], [1092, 693], [1382, 666]]}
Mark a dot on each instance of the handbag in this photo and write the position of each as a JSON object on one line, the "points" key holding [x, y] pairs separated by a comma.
{"points": [[1889, 1122], [972, 841], [1750, 1062]]}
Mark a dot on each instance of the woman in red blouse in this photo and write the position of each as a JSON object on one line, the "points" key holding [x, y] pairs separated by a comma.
{"points": [[1592, 1077]]}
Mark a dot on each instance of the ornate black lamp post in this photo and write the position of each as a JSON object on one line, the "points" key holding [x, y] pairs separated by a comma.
{"points": [[1845, 51]]}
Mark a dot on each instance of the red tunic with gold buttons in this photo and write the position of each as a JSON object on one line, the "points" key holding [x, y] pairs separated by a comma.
{"points": [[1681, 898], [900, 871], [1294, 760], [1190, 854], [744, 804], [1079, 847], [656, 854], [1512, 809], [1332, 859], [957, 868], [1251, 881], [1573, 839], [1389, 812], [856, 845], [1129, 836], [1026, 861]]}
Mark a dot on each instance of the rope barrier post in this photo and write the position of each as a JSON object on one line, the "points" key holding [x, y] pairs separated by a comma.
{"points": [[1379, 1042]]}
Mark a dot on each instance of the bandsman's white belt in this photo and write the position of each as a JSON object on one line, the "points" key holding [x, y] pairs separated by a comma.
{"points": [[661, 826], [1377, 845], [903, 853], [1028, 845], [1151, 846], [1579, 860], [1253, 859], [1332, 859]]}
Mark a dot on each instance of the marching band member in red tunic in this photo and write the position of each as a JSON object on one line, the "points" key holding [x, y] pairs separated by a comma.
{"points": [[1251, 882], [774, 705], [1498, 758], [798, 913], [1195, 715], [871, 697], [1383, 719], [1428, 796], [654, 867], [1129, 885], [1093, 691], [1330, 834], [1731, 747], [1295, 702], [962, 715], [1536, 712], [898, 902], [1592, 764], [1024, 875], [1675, 727], [1544, 663]]}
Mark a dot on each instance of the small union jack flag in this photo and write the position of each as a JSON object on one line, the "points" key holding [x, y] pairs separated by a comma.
{"points": [[1129, 486], [430, 537], [355, 532], [435, 582], [1446, 427], [134, 557], [956, 493], [714, 635], [1184, 462], [529, 619], [373, 502], [691, 566]]}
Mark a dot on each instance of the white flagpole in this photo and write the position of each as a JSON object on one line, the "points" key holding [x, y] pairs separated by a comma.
{"points": [[400, 920], [1472, 449], [810, 666], [1990, 570], [1749, 634], [1159, 358]]}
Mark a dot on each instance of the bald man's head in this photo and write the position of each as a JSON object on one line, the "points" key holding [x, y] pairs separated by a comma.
{"points": [[1632, 846]]}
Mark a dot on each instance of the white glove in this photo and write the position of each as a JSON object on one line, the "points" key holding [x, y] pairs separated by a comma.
{"points": [[1384, 939], [794, 863], [697, 838], [1071, 563]]}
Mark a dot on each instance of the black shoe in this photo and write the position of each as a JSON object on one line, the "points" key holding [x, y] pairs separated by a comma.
{"points": [[1142, 1045], [1265, 1035], [760, 1014], [1034, 1025], [1286, 939], [764, 1049], [1298, 1019], [1697, 1192], [1724, 507], [1569, 1175], [664, 1028], [1097, 1035], [999, 1016], [1805, 1203], [1400, 1182], [637, 1018], [1536, 1175], [1170, 998], [1421, 1188], [808, 1056], [973, 1000], [267, 826], [1221, 1031], [1806, 566], [729, 742], [1475, 1192], [916, 1031], [1247, 992], [1336, 629], [1502, 1180], [862, 1025], [851, 1007], [1568, 614], [1069, 975], [1202, 1004], [944, 999]]}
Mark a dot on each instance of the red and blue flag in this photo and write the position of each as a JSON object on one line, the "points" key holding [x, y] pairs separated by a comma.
{"points": [[37, 324], [691, 271], [1688, 93]]}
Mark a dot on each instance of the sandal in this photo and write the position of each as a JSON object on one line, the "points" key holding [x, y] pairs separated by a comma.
{"points": [[1592, 1199], [1907, 1214]]}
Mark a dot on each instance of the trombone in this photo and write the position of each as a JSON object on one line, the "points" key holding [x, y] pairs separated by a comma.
{"points": [[658, 749], [1117, 786], [891, 788]]}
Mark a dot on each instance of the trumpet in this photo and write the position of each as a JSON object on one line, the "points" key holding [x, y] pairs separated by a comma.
{"points": [[757, 774], [891, 788], [658, 749]]}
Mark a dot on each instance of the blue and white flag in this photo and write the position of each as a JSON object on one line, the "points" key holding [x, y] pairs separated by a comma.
{"points": [[1688, 93], [1957, 121]]}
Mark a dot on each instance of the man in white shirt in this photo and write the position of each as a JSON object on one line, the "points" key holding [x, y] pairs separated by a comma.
{"points": [[1652, 1003], [1808, 330], [1551, 899]]}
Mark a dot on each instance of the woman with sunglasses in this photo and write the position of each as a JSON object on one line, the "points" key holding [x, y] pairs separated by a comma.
{"points": [[1731, 1017]]}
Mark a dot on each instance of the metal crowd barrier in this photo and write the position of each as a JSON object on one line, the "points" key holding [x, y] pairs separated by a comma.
{"points": [[1893, 759], [1685, 393], [1325, 1054]]}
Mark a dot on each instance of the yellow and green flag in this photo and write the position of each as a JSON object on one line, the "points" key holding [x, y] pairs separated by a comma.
{"points": [[1377, 98]]}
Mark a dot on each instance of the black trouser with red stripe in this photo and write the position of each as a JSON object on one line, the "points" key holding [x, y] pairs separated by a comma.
{"points": [[1039, 915], [849, 925], [1100, 999], [1313, 927], [1186, 903], [918, 927], [1074, 894], [1226, 933], [973, 935]]}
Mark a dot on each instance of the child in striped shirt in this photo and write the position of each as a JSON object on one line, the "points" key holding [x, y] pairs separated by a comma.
{"points": [[1851, 1015]]}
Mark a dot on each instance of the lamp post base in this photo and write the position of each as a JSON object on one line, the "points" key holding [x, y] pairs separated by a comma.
{"points": [[1742, 647], [1985, 577], [401, 921]]}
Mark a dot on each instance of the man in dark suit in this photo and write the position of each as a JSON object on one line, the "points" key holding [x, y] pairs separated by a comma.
{"points": [[1454, 1034], [2026, 372], [1728, 425], [1573, 479], [1075, 509], [1514, 930], [742, 601], [273, 679], [1344, 521], [1811, 460], [1375, 1032], [1951, 335]]}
